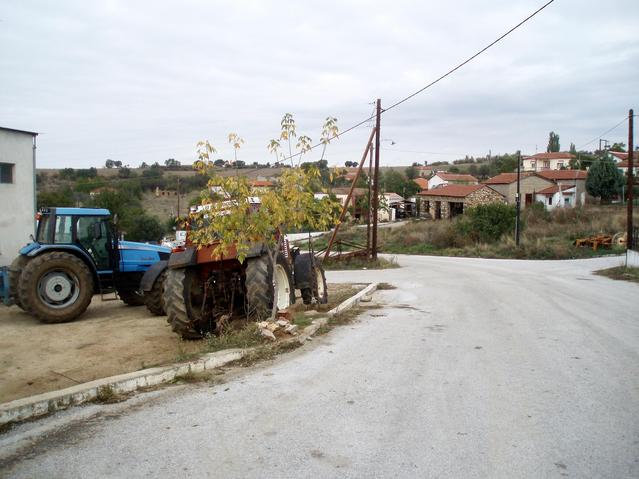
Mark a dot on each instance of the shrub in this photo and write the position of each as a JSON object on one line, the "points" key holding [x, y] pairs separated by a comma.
{"points": [[487, 223]]}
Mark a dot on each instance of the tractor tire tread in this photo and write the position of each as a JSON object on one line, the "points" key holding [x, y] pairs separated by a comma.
{"points": [[175, 304], [154, 299]]}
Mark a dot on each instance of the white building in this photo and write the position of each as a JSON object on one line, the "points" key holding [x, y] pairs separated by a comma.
{"points": [[17, 191], [547, 161], [558, 196]]}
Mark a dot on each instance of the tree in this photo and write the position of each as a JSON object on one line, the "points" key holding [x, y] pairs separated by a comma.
{"points": [[172, 163], [117, 164], [604, 180], [291, 205], [55, 198], [143, 165], [553, 143], [618, 147], [126, 173], [411, 172], [109, 164], [142, 227], [219, 163]]}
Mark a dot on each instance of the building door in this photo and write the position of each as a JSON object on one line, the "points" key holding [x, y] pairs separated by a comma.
{"points": [[438, 210], [529, 199]]}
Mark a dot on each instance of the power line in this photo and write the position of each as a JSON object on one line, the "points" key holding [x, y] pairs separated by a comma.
{"points": [[434, 82], [605, 132]]}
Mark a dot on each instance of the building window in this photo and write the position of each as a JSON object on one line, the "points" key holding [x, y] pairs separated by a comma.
{"points": [[560, 165], [566, 201], [550, 200], [546, 164], [6, 172]]}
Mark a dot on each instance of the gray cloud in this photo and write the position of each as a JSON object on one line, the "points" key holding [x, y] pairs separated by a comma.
{"points": [[144, 81]]}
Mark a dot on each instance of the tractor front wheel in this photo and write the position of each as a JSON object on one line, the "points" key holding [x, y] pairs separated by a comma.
{"points": [[154, 299], [56, 287], [266, 284], [183, 297]]}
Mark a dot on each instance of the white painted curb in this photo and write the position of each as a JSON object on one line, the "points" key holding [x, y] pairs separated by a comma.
{"points": [[41, 404]]}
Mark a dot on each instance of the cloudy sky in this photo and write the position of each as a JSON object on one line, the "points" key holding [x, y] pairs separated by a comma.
{"points": [[145, 80]]}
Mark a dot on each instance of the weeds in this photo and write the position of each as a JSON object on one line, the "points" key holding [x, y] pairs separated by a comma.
{"points": [[623, 273], [107, 395], [360, 263], [385, 286]]}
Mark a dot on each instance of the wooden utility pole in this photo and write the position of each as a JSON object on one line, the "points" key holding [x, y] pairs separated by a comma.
{"points": [[178, 195], [631, 175], [518, 199], [376, 180], [368, 204]]}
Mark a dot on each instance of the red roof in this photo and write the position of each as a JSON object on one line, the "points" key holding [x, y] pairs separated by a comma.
{"points": [[262, 183], [457, 191], [422, 183], [504, 178], [553, 156], [625, 163], [555, 175], [551, 190], [621, 155], [456, 177]]}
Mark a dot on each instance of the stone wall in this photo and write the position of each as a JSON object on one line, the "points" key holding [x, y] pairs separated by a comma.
{"points": [[483, 196]]}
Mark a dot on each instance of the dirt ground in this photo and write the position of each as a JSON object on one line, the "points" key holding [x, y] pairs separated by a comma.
{"points": [[110, 338]]}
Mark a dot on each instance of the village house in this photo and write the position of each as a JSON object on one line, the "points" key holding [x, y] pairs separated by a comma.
{"points": [[17, 190], [576, 178], [623, 166], [424, 171], [422, 183], [448, 201], [529, 184], [547, 161], [557, 196], [441, 178]]}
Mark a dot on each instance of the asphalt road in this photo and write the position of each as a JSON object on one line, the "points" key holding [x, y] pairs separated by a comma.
{"points": [[474, 369]]}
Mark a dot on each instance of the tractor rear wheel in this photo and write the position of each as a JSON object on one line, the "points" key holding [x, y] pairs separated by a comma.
{"points": [[56, 287], [154, 299], [15, 271], [319, 292], [260, 282], [183, 296]]}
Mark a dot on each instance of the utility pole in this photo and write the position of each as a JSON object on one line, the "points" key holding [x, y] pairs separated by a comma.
{"points": [[518, 199], [631, 183], [376, 180], [368, 205]]}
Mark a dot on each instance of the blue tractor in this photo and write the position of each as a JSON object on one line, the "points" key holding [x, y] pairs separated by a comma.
{"points": [[76, 253]]}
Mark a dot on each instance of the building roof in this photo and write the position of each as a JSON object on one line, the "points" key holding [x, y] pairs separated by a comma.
{"points": [[455, 177], [393, 197], [551, 190], [344, 191], [456, 191], [555, 175], [262, 183], [624, 163], [32, 133], [621, 155], [422, 183], [561, 155], [505, 178]]}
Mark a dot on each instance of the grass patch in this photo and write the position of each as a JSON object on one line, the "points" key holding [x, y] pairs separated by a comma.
{"points": [[360, 263], [385, 286], [265, 353], [193, 377], [621, 273], [107, 395]]}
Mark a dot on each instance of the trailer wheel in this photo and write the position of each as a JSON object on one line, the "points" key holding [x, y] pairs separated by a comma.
{"points": [[183, 296], [56, 287], [154, 299], [15, 271], [260, 280]]}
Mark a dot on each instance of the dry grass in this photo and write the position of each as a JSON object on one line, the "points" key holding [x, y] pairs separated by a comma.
{"points": [[545, 235], [622, 273]]}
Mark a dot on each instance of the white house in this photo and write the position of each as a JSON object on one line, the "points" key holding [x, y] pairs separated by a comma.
{"points": [[17, 191], [558, 196], [547, 161], [441, 178]]}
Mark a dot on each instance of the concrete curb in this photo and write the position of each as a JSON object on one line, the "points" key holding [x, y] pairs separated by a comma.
{"points": [[41, 404]]}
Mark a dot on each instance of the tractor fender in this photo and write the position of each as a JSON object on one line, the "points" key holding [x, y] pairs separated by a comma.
{"points": [[182, 259], [74, 250], [151, 274], [303, 271]]}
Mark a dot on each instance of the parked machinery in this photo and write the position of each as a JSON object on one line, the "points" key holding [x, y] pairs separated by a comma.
{"points": [[204, 290], [76, 253]]}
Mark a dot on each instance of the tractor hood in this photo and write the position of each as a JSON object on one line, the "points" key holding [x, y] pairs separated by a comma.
{"points": [[138, 257], [143, 247]]}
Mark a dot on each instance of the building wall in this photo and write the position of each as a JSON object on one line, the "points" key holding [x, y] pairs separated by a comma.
{"points": [[483, 196], [535, 164], [480, 197], [559, 200], [528, 185], [17, 199]]}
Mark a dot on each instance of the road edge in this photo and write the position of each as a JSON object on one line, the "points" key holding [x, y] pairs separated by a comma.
{"points": [[46, 403]]}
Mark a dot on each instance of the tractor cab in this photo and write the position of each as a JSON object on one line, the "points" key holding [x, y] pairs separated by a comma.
{"points": [[88, 229]]}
